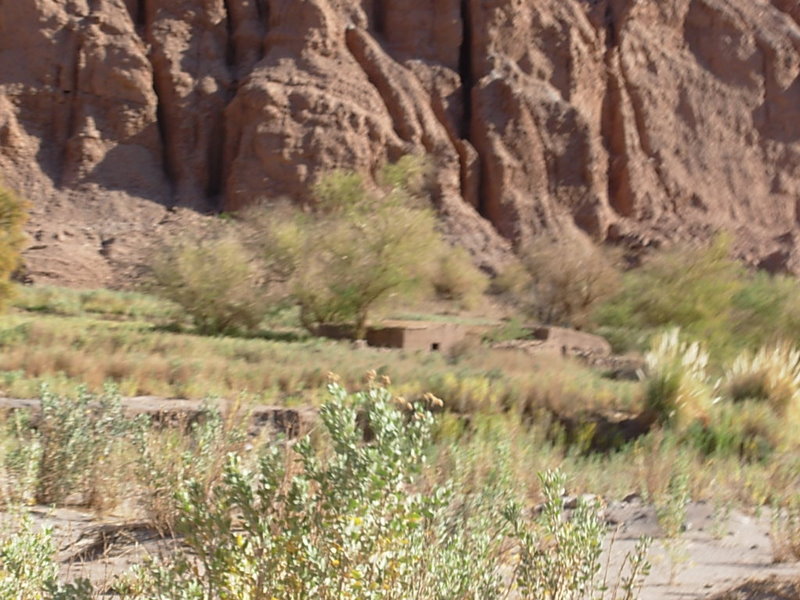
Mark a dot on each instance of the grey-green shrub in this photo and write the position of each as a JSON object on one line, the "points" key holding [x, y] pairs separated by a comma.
{"points": [[214, 279], [28, 569], [560, 557], [68, 450], [166, 458], [352, 519]]}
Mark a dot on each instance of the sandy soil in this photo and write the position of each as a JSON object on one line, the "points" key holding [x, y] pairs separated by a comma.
{"points": [[716, 552]]}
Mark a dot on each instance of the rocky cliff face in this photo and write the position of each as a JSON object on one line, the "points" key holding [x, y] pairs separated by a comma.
{"points": [[637, 121]]}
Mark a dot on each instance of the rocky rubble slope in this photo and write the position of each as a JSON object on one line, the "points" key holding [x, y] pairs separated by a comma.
{"points": [[635, 121]]}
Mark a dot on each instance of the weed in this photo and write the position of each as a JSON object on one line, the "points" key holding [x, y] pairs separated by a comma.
{"points": [[671, 510], [786, 530], [166, 458], [560, 557]]}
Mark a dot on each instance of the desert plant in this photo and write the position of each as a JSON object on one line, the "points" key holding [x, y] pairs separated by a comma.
{"points": [[563, 281], [28, 569], [771, 375], [786, 529], [68, 451], [22, 460], [13, 215], [688, 287], [676, 389], [213, 278], [671, 510], [560, 557], [166, 458], [329, 526], [456, 279], [357, 247], [749, 430]]}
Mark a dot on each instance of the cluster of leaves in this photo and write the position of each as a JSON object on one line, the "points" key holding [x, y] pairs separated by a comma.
{"points": [[28, 570]]}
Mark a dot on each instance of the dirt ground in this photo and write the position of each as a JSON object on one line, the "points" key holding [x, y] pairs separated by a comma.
{"points": [[717, 551]]}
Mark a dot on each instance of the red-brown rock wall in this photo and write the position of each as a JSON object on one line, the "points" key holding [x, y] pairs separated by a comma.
{"points": [[634, 120]]}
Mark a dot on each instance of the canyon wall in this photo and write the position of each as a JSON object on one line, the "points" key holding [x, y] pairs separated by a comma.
{"points": [[632, 121]]}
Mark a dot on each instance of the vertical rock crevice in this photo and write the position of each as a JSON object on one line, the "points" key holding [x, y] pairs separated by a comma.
{"points": [[379, 17], [472, 186], [160, 89], [230, 30]]}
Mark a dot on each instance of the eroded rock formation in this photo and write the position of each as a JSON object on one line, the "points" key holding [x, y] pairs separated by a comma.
{"points": [[637, 121]]}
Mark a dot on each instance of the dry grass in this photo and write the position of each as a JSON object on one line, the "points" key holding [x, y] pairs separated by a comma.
{"points": [[145, 360]]}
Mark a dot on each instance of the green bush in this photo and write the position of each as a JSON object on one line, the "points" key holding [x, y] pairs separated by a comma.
{"points": [[333, 525], [79, 437], [560, 557], [358, 517], [214, 279], [358, 247], [68, 451], [710, 296], [28, 567], [13, 216], [167, 458], [748, 430]]}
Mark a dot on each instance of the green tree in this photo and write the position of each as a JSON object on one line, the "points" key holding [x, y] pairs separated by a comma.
{"points": [[358, 246]]}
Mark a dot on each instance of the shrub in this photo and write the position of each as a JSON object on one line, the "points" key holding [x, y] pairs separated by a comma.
{"points": [[676, 389], [168, 458], [456, 279], [360, 517], [332, 526], [748, 430], [771, 375], [69, 450], [359, 246], [13, 215], [28, 569], [671, 510], [785, 534], [560, 558], [214, 279], [564, 281], [708, 295]]}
